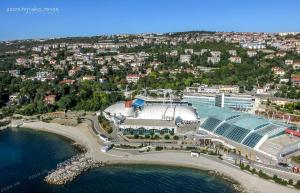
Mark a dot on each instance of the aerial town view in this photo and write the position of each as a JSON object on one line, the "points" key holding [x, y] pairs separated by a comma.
{"points": [[150, 96]]}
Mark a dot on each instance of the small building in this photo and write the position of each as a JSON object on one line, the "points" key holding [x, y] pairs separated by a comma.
{"points": [[295, 79], [44, 75], [133, 78], [14, 99], [102, 80], [215, 53], [251, 53], [67, 81], [278, 71], [50, 99], [284, 80], [232, 52], [254, 45], [235, 59], [185, 58], [288, 62], [88, 78], [74, 71], [174, 53], [214, 59], [281, 54], [296, 65], [188, 51], [214, 89], [269, 56], [15, 73], [104, 70]]}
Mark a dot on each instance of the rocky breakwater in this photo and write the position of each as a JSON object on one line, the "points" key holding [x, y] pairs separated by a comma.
{"points": [[71, 168]]}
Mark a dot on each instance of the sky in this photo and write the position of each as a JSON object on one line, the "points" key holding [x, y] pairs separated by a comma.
{"points": [[24, 19]]}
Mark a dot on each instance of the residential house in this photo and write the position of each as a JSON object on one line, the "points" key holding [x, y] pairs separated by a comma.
{"points": [[278, 71], [281, 54], [14, 99], [174, 53], [188, 51], [15, 73], [269, 56], [185, 58], [88, 78], [74, 71], [133, 78], [104, 70], [288, 62], [102, 80], [213, 59], [44, 75], [296, 65], [50, 99], [284, 80], [251, 53], [67, 81], [235, 59], [232, 52], [215, 53], [295, 79]]}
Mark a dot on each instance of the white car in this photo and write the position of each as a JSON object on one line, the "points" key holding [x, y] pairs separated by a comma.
{"points": [[103, 138]]}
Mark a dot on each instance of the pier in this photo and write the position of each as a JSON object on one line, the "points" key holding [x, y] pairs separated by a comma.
{"points": [[71, 168]]}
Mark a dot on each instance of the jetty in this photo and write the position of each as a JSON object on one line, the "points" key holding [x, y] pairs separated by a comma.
{"points": [[71, 168]]}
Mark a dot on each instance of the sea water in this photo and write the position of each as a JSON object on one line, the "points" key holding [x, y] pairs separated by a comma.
{"points": [[26, 156]]}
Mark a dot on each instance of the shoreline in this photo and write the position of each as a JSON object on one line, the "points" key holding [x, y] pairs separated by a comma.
{"points": [[79, 147], [246, 182], [235, 184]]}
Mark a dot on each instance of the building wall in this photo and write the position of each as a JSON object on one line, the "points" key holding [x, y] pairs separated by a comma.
{"points": [[145, 130], [234, 102]]}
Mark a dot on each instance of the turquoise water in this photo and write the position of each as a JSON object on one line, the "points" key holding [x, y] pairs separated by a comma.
{"points": [[26, 156]]}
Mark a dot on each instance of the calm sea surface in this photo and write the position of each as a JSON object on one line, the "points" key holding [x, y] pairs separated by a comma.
{"points": [[26, 156]]}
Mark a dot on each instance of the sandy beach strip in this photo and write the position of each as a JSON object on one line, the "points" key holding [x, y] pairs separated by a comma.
{"points": [[85, 137]]}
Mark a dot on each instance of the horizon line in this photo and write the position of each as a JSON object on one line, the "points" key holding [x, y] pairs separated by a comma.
{"points": [[141, 33]]}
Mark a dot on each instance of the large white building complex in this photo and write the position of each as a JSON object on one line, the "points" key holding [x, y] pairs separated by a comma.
{"points": [[145, 117], [216, 120]]}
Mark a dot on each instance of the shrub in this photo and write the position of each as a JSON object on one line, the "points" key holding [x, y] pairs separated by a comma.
{"points": [[279, 180], [253, 171], [242, 166], [275, 177], [263, 175], [297, 185], [247, 167], [158, 148], [109, 130]]}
